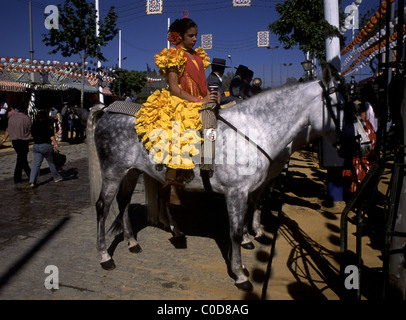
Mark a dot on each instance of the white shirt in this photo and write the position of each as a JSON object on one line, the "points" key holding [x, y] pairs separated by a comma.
{"points": [[371, 117], [4, 108]]}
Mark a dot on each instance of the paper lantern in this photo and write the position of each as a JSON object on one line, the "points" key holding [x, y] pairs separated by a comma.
{"points": [[154, 7], [241, 3], [263, 38]]}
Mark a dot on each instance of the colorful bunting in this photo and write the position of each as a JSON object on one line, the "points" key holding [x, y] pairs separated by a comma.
{"points": [[154, 6], [263, 38], [55, 68], [207, 41]]}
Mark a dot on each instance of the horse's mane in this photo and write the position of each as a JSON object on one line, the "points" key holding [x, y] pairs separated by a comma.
{"points": [[272, 100]]}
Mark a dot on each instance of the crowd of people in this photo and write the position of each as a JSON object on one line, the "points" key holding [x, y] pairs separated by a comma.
{"points": [[48, 128], [242, 85]]}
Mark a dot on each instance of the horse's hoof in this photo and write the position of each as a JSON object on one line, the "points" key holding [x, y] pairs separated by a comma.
{"points": [[135, 249], [263, 239], [179, 242], [108, 265], [248, 245], [245, 286]]}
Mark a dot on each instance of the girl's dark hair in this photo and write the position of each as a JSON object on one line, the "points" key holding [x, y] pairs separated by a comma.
{"points": [[181, 26]]}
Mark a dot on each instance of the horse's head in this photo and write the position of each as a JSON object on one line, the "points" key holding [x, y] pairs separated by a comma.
{"points": [[340, 125]]}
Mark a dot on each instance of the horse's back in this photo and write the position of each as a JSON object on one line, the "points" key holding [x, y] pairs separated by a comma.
{"points": [[119, 147]]}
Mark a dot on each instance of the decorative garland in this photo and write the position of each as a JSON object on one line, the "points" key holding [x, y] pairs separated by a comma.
{"points": [[66, 69], [369, 43], [371, 56], [367, 29], [371, 52]]}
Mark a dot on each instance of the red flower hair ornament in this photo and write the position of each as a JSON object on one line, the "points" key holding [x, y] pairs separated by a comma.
{"points": [[174, 38]]}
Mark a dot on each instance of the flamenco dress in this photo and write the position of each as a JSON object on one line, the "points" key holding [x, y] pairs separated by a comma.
{"points": [[168, 125]]}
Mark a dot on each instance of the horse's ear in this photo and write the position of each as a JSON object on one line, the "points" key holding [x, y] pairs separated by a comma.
{"points": [[326, 76]]}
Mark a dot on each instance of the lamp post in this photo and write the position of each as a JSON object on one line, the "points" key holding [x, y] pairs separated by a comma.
{"points": [[231, 62], [272, 49], [287, 65], [101, 96], [307, 67]]}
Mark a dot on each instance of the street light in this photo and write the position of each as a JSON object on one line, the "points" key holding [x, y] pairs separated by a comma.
{"points": [[272, 49], [307, 67], [231, 61], [287, 70]]}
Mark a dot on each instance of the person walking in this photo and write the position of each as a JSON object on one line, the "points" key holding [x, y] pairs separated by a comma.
{"points": [[65, 121], [19, 131], [43, 136]]}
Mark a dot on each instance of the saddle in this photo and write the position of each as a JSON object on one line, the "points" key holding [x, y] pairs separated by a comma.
{"points": [[123, 107]]}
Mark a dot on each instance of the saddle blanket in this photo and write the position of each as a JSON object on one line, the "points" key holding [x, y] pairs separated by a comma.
{"points": [[123, 107]]}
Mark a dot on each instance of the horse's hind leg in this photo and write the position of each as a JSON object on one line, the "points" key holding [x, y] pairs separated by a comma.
{"points": [[103, 204], [126, 190]]}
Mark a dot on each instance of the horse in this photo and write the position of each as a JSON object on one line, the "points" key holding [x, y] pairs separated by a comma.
{"points": [[271, 126]]}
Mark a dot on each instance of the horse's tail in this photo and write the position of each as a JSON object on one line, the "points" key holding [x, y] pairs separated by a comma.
{"points": [[94, 164], [155, 202]]}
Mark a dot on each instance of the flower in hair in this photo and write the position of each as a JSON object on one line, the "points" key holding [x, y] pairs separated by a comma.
{"points": [[174, 38]]}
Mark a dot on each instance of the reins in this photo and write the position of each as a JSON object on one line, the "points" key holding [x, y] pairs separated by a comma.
{"points": [[245, 137], [327, 99]]}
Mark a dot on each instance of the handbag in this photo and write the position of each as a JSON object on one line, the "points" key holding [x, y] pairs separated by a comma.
{"points": [[59, 159]]}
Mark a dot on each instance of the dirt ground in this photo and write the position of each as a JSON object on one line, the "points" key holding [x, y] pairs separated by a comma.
{"points": [[303, 262], [307, 261]]}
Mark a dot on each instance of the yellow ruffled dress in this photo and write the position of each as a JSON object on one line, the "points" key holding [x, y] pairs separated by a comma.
{"points": [[169, 126]]}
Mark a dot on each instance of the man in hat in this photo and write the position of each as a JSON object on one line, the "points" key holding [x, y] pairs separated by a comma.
{"points": [[236, 82], [240, 85], [215, 79], [246, 89]]}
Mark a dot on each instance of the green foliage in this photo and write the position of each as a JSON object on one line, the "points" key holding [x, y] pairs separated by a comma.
{"points": [[77, 30], [302, 23], [129, 81]]}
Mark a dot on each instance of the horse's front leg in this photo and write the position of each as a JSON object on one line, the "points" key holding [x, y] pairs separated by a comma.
{"points": [[237, 207]]}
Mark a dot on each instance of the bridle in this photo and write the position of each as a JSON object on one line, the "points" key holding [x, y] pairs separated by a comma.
{"points": [[344, 145], [326, 93]]}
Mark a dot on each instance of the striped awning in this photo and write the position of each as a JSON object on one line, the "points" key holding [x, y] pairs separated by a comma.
{"points": [[11, 86]]}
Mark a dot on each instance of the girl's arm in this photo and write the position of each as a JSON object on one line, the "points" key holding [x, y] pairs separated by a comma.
{"points": [[179, 92]]}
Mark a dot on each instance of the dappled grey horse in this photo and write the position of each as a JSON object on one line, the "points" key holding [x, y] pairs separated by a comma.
{"points": [[277, 123]]}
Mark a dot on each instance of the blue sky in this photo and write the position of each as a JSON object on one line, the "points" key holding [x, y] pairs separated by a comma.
{"points": [[234, 31]]}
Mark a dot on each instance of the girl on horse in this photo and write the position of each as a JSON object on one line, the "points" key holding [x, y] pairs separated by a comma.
{"points": [[171, 114]]}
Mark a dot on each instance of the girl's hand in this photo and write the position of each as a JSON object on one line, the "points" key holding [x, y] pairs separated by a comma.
{"points": [[212, 97]]}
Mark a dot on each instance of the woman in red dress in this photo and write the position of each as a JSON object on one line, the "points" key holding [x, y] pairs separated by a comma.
{"points": [[361, 165], [169, 120]]}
